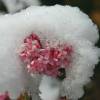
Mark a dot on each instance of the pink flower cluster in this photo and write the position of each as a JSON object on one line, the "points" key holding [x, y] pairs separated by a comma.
{"points": [[5, 96], [63, 98], [45, 59]]}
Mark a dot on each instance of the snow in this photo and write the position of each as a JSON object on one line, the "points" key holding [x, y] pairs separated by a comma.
{"points": [[49, 88], [17, 5], [60, 23]]}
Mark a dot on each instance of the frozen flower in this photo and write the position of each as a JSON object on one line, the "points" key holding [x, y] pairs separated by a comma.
{"points": [[45, 59], [54, 23]]}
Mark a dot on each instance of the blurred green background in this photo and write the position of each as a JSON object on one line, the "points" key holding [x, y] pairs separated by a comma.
{"points": [[92, 8]]}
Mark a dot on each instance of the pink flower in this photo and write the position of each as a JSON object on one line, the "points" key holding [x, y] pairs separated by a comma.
{"points": [[45, 59], [5, 96], [63, 98]]}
